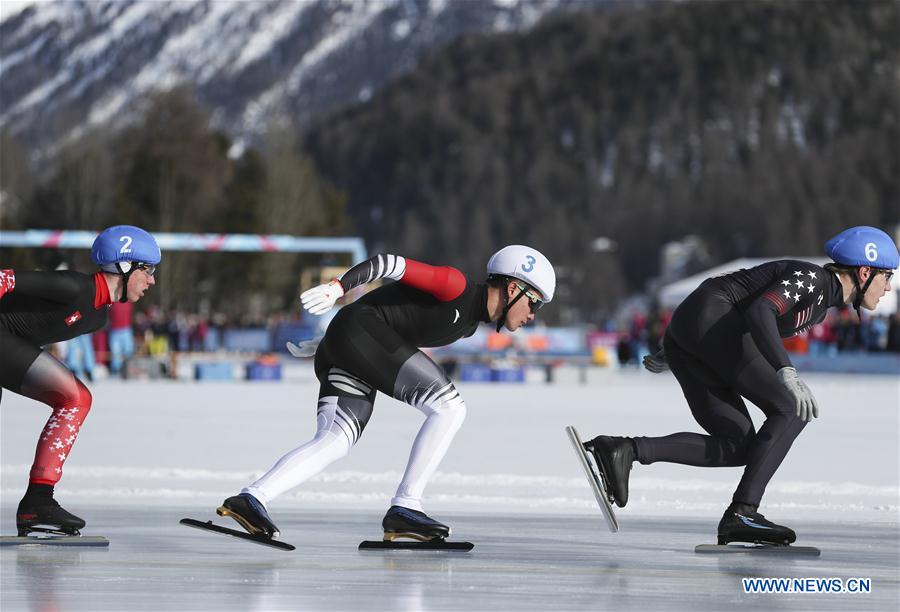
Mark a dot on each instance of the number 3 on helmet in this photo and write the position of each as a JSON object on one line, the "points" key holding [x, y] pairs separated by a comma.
{"points": [[525, 264]]}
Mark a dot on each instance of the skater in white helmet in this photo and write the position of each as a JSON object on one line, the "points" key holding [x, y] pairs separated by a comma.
{"points": [[373, 345]]}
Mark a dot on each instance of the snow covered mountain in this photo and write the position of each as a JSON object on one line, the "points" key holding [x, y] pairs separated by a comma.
{"points": [[68, 65]]}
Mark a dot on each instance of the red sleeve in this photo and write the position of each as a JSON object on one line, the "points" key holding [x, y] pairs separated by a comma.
{"points": [[444, 283], [101, 291]]}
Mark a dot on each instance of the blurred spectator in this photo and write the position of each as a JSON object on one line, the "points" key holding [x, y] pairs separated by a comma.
{"points": [[893, 336], [80, 356], [624, 350], [158, 338], [875, 333], [121, 336], [823, 337], [849, 335]]}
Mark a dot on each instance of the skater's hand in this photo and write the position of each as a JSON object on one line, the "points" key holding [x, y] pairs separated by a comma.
{"points": [[807, 409], [656, 363], [321, 299], [307, 348]]}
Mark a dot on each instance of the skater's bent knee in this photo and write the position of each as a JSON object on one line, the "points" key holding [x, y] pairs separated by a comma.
{"points": [[739, 448], [84, 395], [455, 408], [81, 397]]}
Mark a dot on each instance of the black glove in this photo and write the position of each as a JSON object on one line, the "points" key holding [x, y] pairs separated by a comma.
{"points": [[656, 363]]}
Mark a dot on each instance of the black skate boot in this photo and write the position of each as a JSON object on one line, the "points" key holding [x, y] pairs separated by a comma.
{"points": [[39, 512], [742, 523], [614, 456], [250, 513], [400, 522]]}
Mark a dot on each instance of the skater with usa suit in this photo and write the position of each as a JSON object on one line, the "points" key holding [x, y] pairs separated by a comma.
{"points": [[724, 344]]}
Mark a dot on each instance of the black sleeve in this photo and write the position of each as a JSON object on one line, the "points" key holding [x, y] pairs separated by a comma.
{"points": [[379, 266], [764, 329], [793, 289], [62, 287]]}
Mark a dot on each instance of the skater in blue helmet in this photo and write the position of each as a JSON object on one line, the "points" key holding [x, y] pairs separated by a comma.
{"points": [[40, 308], [724, 344]]}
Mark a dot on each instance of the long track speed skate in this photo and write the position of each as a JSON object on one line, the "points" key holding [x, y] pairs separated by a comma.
{"points": [[596, 479], [407, 529]]}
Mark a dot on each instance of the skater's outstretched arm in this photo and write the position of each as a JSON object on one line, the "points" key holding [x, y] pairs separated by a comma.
{"points": [[443, 282], [62, 286]]}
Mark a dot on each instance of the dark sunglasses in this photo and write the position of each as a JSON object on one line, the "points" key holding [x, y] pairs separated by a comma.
{"points": [[534, 302], [148, 268]]}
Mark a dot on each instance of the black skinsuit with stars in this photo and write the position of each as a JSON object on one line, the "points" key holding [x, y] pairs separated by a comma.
{"points": [[724, 344]]}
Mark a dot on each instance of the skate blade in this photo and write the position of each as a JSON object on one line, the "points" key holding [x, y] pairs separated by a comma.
{"points": [[250, 528], [256, 539], [749, 543], [390, 536], [758, 549], [55, 530], [54, 540], [432, 545]]}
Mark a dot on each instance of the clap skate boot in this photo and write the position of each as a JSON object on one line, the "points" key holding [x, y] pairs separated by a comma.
{"points": [[250, 514], [400, 522], [742, 523], [39, 512], [614, 457]]}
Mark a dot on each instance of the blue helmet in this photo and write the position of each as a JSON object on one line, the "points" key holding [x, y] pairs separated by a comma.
{"points": [[863, 246], [124, 244]]}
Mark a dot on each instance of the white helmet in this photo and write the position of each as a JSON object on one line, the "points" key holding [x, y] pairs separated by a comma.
{"points": [[526, 264]]}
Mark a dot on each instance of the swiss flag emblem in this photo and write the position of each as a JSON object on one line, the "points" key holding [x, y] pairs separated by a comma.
{"points": [[73, 318]]}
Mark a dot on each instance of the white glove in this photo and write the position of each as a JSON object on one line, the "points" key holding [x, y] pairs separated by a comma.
{"points": [[321, 299], [656, 363], [807, 409], [307, 348]]}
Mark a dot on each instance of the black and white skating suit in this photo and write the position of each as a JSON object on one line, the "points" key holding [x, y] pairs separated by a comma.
{"points": [[373, 345]]}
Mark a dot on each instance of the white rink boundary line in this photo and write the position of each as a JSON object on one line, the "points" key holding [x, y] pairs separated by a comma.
{"points": [[643, 484], [168, 496]]}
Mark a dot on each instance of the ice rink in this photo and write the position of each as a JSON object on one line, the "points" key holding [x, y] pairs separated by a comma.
{"points": [[152, 453]]}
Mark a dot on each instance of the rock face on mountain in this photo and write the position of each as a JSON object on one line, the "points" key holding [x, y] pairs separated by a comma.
{"points": [[66, 66]]}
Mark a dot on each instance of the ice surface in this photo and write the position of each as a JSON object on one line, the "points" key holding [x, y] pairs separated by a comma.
{"points": [[152, 453]]}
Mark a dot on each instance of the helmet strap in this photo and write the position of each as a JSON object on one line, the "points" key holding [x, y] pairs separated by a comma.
{"points": [[509, 305], [125, 277], [860, 291]]}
